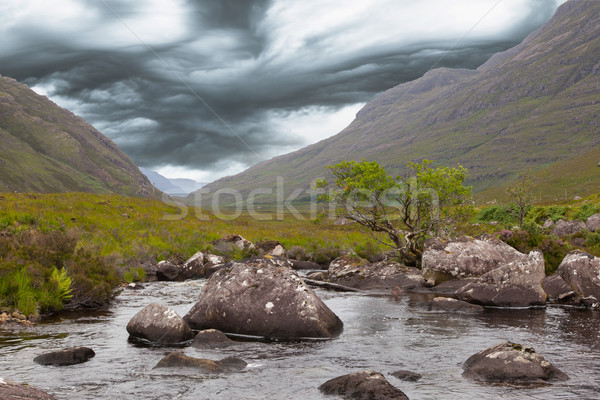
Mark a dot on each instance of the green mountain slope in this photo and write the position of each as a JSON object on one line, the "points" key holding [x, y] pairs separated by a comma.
{"points": [[534, 106], [45, 148]]}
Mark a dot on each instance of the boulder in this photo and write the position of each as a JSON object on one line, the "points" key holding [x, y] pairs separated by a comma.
{"points": [[464, 257], [407, 376], [262, 299], [511, 363], [232, 242], [593, 223], [15, 391], [201, 265], [167, 271], [72, 356], [581, 271], [271, 247], [450, 304], [341, 221], [211, 338], [363, 385], [194, 267], [356, 273], [566, 228], [159, 324], [517, 284], [180, 360], [548, 224], [305, 265], [558, 290]]}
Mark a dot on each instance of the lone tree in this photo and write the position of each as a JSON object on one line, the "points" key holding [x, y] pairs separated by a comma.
{"points": [[424, 202], [522, 195]]}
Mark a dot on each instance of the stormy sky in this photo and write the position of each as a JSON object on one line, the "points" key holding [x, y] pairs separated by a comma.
{"points": [[205, 88]]}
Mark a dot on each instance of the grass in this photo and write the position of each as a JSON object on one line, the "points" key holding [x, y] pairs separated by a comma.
{"points": [[99, 241]]}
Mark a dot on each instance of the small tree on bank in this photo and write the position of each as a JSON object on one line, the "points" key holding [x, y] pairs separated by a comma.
{"points": [[424, 202], [522, 195]]}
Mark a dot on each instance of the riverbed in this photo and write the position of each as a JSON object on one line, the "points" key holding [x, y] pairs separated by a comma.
{"points": [[380, 333]]}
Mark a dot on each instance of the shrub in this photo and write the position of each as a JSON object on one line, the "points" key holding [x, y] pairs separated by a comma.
{"points": [[135, 274], [501, 214], [554, 252], [586, 211]]}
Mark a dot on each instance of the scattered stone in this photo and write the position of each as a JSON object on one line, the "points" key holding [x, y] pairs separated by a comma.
{"points": [[593, 223], [15, 391], [548, 224], [581, 271], [511, 363], [566, 228], [271, 247], [449, 304], [193, 268], [363, 385], [231, 242], [464, 257], [318, 276], [407, 376], [558, 290], [159, 324], [211, 338], [134, 286], [357, 273], [180, 360], [167, 271], [262, 299], [343, 221], [517, 284], [72, 356], [305, 265]]}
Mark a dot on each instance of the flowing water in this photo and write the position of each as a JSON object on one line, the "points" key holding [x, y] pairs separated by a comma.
{"points": [[380, 333]]}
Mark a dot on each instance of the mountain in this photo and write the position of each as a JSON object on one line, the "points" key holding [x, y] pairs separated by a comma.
{"points": [[535, 106], [47, 149], [173, 187]]}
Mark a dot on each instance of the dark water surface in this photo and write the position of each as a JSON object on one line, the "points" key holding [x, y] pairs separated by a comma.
{"points": [[380, 333]]}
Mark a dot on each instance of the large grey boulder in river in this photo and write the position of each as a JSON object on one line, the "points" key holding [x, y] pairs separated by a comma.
{"points": [[356, 273], [517, 284], [511, 363], [581, 271], [262, 299], [464, 257], [159, 324]]}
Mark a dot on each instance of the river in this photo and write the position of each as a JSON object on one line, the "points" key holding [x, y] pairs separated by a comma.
{"points": [[380, 333]]}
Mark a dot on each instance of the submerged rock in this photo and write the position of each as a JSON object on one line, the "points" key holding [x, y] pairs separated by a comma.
{"points": [[180, 360], [449, 304], [262, 299], [464, 257], [363, 385], [517, 284], [15, 391], [407, 376], [357, 273], [159, 324], [581, 271], [512, 364], [211, 338], [72, 356]]}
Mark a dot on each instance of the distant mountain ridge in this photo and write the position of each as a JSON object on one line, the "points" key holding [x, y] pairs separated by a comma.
{"points": [[47, 149], [172, 186], [535, 106]]}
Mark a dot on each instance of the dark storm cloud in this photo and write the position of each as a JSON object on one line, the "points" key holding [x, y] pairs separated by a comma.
{"points": [[206, 95]]}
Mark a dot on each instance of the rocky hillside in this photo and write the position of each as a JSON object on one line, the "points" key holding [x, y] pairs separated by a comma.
{"points": [[534, 106], [47, 149]]}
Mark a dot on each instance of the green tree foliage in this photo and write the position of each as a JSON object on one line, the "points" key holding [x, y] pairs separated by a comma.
{"points": [[426, 201], [522, 196]]}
